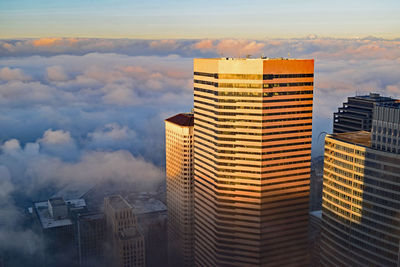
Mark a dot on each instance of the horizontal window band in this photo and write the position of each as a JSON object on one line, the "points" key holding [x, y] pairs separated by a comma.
{"points": [[253, 159], [253, 94], [249, 165], [251, 114], [233, 126], [227, 170], [251, 121], [232, 152], [220, 176], [236, 100], [251, 140], [253, 133], [254, 76], [255, 147], [293, 105]]}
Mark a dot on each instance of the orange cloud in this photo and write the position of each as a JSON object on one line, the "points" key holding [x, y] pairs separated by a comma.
{"points": [[54, 41], [204, 45]]}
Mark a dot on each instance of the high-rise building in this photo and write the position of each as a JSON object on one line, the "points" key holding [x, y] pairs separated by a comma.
{"points": [[125, 240], [55, 224], [91, 239], [386, 127], [315, 236], [252, 131], [180, 188], [361, 201], [356, 113]]}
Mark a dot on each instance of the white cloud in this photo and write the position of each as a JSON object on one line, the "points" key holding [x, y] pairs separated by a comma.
{"points": [[58, 137]]}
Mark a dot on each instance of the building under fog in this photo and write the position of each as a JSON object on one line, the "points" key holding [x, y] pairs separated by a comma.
{"points": [[55, 222], [180, 188], [126, 242]]}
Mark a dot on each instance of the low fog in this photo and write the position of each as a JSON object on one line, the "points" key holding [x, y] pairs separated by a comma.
{"points": [[86, 111]]}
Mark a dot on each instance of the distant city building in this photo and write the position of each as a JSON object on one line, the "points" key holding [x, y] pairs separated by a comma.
{"points": [[91, 238], [356, 113], [386, 127], [314, 237], [151, 216], [180, 188], [126, 242], [252, 131], [361, 199], [55, 223]]}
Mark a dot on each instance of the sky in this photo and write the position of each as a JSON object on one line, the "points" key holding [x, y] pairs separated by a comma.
{"points": [[157, 19]]}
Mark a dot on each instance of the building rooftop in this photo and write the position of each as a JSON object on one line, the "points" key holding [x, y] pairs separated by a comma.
{"points": [[362, 138], [129, 233], [46, 220], [146, 204], [57, 201], [249, 57], [91, 216], [182, 119], [316, 213], [118, 202], [375, 97], [74, 190]]}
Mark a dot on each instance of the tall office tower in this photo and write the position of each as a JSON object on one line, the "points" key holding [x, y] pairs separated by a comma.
{"points": [[179, 169], [91, 239], [386, 127], [126, 242], [315, 236], [361, 203], [252, 131], [356, 113]]}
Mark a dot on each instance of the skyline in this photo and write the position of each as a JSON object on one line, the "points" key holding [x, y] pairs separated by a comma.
{"points": [[207, 19], [86, 85]]}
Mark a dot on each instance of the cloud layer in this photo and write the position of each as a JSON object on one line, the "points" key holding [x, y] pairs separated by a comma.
{"points": [[87, 110]]}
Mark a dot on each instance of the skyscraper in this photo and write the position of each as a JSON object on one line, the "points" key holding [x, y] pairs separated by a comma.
{"points": [[126, 241], [252, 130], [356, 113], [361, 195], [179, 170], [386, 127]]}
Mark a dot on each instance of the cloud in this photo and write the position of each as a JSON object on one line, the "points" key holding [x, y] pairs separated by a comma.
{"points": [[111, 136], [11, 146], [12, 235], [56, 73], [15, 74], [82, 111], [58, 137]]}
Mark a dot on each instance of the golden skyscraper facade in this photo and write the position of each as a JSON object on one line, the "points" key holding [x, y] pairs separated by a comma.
{"points": [[252, 132], [180, 187]]}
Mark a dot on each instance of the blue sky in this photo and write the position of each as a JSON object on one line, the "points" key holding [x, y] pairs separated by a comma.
{"points": [[198, 19]]}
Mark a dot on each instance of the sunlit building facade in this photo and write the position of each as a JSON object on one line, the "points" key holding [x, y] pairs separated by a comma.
{"points": [[180, 188], [252, 131], [361, 203]]}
